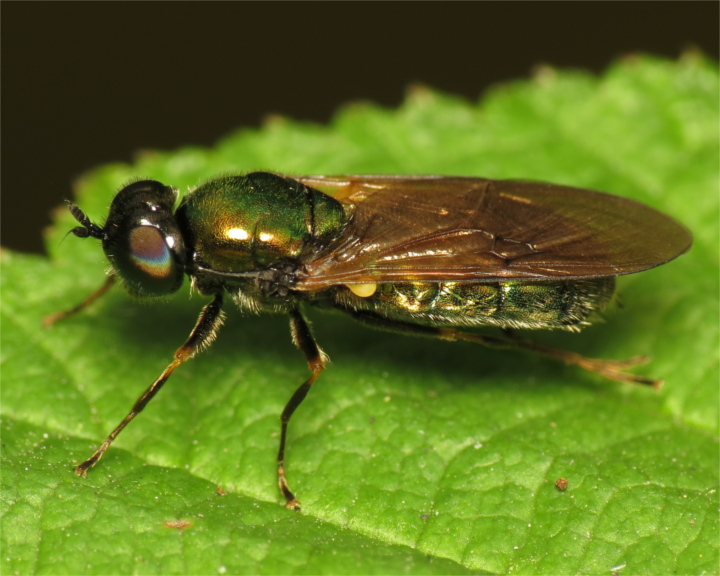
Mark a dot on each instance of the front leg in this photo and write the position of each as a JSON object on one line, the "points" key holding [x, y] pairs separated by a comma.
{"points": [[202, 335]]}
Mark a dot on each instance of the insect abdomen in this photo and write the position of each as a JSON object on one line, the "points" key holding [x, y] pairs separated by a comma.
{"points": [[564, 305]]}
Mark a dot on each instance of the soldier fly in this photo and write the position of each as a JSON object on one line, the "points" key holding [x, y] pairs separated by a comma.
{"points": [[423, 255]]}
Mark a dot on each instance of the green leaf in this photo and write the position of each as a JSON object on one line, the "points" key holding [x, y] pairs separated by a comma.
{"points": [[409, 455]]}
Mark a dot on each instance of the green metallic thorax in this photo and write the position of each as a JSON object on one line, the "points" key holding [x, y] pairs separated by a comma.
{"points": [[565, 305], [242, 223]]}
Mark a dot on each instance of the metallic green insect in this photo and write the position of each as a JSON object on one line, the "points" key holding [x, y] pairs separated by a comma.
{"points": [[425, 255]]}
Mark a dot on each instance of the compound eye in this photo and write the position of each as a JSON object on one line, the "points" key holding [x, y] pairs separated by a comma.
{"points": [[150, 253], [147, 264]]}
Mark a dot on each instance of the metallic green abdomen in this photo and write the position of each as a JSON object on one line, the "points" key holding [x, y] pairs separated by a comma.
{"points": [[565, 305]]}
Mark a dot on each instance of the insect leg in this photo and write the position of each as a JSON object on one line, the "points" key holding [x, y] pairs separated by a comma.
{"points": [[201, 336], [611, 369], [52, 318], [303, 339]]}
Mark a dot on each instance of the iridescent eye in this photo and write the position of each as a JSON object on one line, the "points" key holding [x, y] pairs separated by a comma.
{"points": [[146, 263], [150, 253]]}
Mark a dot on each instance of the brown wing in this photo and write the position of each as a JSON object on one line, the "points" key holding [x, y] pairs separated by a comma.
{"points": [[435, 228]]}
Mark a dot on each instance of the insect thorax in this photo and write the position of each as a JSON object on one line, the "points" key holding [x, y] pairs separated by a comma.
{"points": [[564, 305]]}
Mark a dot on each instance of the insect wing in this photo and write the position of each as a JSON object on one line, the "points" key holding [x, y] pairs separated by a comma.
{"points": [[436, 228]]}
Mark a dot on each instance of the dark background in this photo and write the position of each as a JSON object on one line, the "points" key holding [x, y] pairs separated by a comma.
{"points": [[89, 83]]}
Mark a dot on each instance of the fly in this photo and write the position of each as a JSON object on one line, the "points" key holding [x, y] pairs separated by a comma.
{"points": [[424, 255]]}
